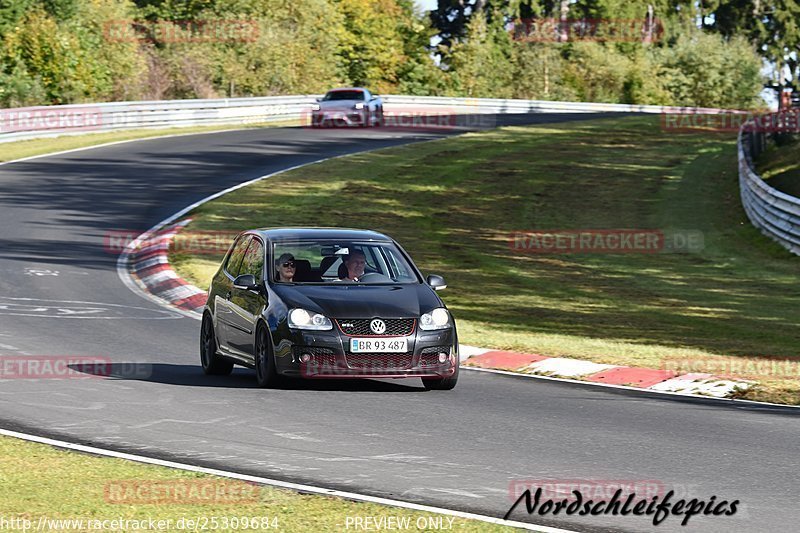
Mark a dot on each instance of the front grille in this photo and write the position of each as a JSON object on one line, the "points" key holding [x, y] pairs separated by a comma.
{"points": [[321, 356], [395, 327], [430, 356], [379, 361]]}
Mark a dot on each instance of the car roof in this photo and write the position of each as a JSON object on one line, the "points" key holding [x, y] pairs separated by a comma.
{"points": [[348, 234], [348, 89]]}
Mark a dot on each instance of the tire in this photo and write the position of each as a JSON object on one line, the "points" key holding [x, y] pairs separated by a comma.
{"points": [[381, 121], [266, 374], [441, 383], [213, 364]]}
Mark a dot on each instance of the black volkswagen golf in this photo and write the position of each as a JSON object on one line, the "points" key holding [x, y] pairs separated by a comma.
{"points": [[327, 302]]}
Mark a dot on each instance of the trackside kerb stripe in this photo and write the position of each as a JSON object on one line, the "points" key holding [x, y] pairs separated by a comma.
{"points": [[505, 360], [640, 377]]}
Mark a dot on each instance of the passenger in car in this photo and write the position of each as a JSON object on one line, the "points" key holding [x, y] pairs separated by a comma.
{"points": [[286, 268]]}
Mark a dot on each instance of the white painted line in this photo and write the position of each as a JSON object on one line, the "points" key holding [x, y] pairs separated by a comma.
{"points": [[752, 403], [568, 368], [311, 489]]}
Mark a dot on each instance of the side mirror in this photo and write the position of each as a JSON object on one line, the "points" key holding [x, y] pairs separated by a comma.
{"points": [[246, 282], [437, 282], [317, 99]]}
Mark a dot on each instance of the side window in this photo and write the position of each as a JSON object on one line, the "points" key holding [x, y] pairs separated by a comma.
{"points": [[235, 259], [253, 262], [399, 268]]}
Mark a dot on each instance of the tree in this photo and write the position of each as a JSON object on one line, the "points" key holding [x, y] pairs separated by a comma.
{"points": [[69, 60], [372, 48], [480, 64], [418, 74], [705, 70], [293, 48], [11, 12]]}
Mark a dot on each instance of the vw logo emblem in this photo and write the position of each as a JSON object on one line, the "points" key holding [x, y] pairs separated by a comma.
{"points": [[378, 326]]}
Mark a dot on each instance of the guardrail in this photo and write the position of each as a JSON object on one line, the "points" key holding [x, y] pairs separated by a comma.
{"points": [[49, 121], [775, 213]]}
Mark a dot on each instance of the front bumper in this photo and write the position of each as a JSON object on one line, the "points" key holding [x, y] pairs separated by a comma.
{"points": [[338, 118], [331, 358]]}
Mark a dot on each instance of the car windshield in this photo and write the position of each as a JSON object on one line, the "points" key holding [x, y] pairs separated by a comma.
{"points": [[329, 262], [344, 95]]}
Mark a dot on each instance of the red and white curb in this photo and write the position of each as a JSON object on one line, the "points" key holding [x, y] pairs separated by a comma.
{"points": [[644, 378], [149, 268]]}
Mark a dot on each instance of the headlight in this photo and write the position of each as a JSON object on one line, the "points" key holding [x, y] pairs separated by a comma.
{"points": [[439, 318], [314, 107], [302, 319], [359, 106]]}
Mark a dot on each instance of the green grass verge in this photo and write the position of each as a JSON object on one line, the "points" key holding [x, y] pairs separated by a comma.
{"points": [[42, 481], [20, 149], [453, 202], [780, 167]]}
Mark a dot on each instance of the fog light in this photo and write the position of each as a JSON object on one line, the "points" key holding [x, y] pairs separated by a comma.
{"points": [[305, 358], [442, 357]]}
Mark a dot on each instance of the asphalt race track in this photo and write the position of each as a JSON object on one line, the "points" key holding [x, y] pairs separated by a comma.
{"points": [[60, 295]]}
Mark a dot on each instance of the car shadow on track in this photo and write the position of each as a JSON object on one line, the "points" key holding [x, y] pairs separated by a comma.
{"points": [[241, 378]]}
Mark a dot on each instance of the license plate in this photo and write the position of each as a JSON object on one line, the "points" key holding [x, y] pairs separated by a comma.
{"points": [[389, 345]]}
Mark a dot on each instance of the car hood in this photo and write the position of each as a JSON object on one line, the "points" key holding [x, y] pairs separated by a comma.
{"points": [[361, 301]]}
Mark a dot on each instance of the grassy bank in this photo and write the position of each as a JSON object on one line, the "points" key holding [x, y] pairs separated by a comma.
{"points": [[41, 481], [453, 203]]}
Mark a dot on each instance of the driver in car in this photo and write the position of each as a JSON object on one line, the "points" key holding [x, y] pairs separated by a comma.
{"points": [[356, 262]]}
